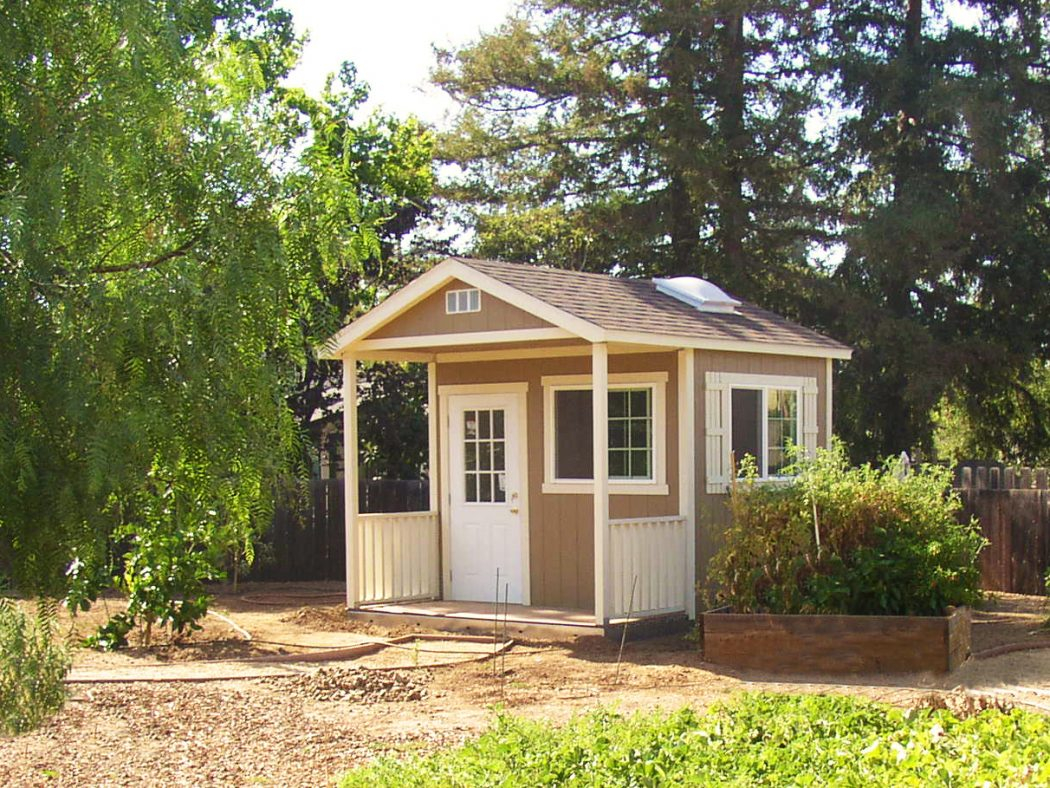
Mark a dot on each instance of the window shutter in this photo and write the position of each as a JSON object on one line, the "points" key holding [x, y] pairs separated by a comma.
{"points": [[809, 416], [716, 428]]}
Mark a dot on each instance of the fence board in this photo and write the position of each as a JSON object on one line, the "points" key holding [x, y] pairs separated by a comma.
{"points": [[307, 536]]}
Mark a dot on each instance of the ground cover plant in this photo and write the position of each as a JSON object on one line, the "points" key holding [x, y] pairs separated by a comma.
{"points": [[864, 540], [757, 739], [32, 667]]}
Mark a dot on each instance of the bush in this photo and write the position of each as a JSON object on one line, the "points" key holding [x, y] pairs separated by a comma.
{"points": [[32, 667], [859, 540], [756, 740]]}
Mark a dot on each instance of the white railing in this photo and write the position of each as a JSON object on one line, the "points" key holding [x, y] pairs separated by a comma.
{"points": [[650, 553], [397, 557]]}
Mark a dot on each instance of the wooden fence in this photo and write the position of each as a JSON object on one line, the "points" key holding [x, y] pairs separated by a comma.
{"points": [[307, 540], [1013, 507]]}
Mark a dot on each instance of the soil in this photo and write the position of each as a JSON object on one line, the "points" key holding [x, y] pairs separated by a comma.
{"points": [[209, 715]]}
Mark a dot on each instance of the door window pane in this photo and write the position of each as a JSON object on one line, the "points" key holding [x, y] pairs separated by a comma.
{"points": [[484, 456]]}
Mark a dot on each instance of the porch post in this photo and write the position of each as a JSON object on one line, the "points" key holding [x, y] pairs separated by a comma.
{"points": [[350, 475], [600, 408], [687, 444], [432, 434]]}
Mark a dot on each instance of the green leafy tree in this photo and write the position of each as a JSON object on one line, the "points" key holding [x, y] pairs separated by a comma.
{"points": [[363, 184], [649, 138], [163, 269], [943, 183]]}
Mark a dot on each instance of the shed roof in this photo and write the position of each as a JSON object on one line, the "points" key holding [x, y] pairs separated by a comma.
{"points": [[619, 304], [598, 308]]}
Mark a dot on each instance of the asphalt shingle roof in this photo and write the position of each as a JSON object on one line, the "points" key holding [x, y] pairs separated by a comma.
{"points": [[636, 305]]}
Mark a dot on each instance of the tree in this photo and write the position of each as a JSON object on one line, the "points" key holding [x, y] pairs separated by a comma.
{"points": [[161, 278], [375, 175], [652, 138], [944, 183]]}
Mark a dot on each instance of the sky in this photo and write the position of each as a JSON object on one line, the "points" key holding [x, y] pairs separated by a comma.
{"points": [[391, 43]]}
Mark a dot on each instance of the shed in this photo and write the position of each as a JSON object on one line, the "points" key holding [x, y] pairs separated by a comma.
{"points": [[582, 432]]}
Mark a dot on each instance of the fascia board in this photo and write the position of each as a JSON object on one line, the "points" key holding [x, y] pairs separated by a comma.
{"points": [[733, 345]]}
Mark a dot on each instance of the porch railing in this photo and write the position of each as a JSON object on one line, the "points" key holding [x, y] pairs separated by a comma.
{"points": [[653, 550], [397, 557]]}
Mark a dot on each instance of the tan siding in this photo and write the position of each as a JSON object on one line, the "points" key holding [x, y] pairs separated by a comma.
{"points": [[428, 317], [712, 511], [561, 531]]}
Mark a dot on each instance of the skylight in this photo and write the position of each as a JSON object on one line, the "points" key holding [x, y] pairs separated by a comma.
{"points": [[698, 293]]}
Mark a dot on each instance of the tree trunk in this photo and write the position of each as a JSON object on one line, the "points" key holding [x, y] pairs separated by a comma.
{"points": [[733, 218]]}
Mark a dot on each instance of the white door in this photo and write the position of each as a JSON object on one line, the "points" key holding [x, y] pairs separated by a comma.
{"points": [[485, 489]]}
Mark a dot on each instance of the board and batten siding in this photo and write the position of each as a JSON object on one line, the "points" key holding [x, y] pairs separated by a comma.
{"points": [[712, 510], [561, 526], [428, 317]]}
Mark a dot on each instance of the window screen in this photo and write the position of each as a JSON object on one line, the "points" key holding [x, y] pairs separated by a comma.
{"points": [[747, 427], [630, 434]]}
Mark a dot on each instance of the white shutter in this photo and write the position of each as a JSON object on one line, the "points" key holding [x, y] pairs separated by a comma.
{"points": [[809, 416], [716, 432]]}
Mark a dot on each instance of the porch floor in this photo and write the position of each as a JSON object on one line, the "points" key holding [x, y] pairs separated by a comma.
{"points": [[479, 617]]}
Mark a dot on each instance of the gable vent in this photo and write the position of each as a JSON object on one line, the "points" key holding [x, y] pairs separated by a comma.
{"points": [[698, 293]]}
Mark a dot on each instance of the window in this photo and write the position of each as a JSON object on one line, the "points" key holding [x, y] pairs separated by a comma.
{"points": [[457, 301], [760, 415], [630, 434], [636, 434], [484, 456], [765, 424]]}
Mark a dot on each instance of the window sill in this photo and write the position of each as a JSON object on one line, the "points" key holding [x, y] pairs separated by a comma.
{"points": [[615, 488]]}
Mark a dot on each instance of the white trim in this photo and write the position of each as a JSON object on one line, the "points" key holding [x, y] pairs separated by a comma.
{"points": [[658, 376], [483, 388], [829, 422], [520, 391], [432, 435], [600, 451], [737, 345], [687, 469], [656, 381], [350, 449], [462, 338], [719, 409], [401, 357], [468, 310], [616, 487], [549, 351]]}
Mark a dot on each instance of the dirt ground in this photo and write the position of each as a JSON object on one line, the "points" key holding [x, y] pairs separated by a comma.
{"points": [[207, 711]]}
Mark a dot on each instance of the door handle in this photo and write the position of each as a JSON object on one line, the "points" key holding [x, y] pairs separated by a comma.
{"points": [[513, 505]]}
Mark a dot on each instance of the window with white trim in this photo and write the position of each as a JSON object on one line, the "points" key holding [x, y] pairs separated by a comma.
{"points": [[765, 424], [757, 415], [636, 439], [458, 301]]}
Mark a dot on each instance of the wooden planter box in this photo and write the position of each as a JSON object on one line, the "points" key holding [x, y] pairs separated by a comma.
{"points": [[837, 644]]}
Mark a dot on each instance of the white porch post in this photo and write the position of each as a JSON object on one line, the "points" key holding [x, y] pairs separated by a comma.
{"points": [[600, 407], [687, 444], [432, 433], [350, 475]]}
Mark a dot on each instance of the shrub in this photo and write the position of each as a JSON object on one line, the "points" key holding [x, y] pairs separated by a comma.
{"points": [[32, 667], [840, 539], [756, 740]]}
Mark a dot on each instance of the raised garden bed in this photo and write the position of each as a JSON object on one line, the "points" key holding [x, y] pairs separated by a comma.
{"points": [[837, 644]]}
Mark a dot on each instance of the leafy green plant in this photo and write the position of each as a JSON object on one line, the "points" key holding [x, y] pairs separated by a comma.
{"points": [[842, 539], [32, 667], [758, 739]]}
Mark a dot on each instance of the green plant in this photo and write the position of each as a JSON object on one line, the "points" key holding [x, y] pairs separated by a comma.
{"points": [[32, 666], [758, 739], [842, 539]]}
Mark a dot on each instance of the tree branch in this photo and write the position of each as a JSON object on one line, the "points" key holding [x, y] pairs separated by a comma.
{"points": [[144, 265]]}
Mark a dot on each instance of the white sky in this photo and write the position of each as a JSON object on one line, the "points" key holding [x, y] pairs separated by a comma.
{"points": [[391, 43]]}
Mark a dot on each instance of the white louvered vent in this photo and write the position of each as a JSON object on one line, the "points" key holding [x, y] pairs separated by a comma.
{"points": [[698, 293]]}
